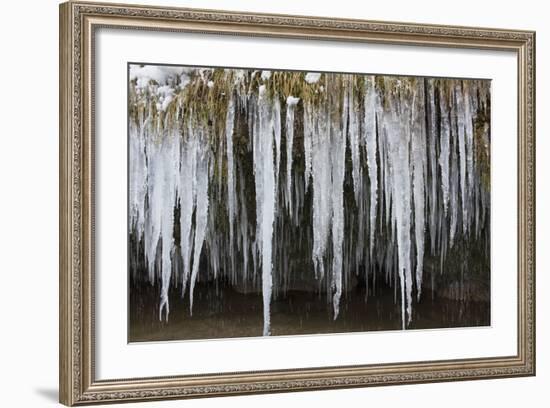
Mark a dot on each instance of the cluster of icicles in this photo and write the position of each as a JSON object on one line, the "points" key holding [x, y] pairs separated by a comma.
{"points": [[414, 166]]}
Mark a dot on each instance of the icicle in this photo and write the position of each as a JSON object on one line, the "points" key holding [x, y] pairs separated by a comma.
{"points": [[398, 134], [444, 139], [231, 195], [264, 174], [453, 182], [419, 169], [291, 103], [201, 216], [308, 142], [370, 145], [433, 163], [170, 162], [187, 196], [243, 226], [385, 171], [338, 129], [353, 134], [251, 120], [155, 180], [138, 177], [328, 141], [322, 183], [276, 117], [459, 108]]}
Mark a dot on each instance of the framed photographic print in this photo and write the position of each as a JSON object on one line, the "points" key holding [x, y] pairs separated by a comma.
{"points": [[260, 203]]}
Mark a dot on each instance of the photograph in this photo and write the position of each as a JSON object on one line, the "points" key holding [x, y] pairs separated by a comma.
{"points": [[269, 202]]}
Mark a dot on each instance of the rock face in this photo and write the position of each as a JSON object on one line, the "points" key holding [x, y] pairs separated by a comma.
{"points": [[276, 181], [465, 290]]}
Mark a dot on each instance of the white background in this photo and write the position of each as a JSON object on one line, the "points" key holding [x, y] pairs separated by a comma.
{"points": [[28, 216], [117, 359]]}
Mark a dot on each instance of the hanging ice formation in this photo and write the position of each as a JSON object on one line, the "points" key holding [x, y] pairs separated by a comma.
{"points": [[266, 135], [416, 152]]}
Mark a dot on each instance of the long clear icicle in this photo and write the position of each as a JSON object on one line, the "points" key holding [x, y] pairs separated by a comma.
{"points": [[276, 118], [201, 208], [445, 141], [291, 103], [231, 194], [138, 175], [371, 147], [338, 130], [432, 196], [462, 153], [309, 118], [187, 197], [264, 173], [322, 185], [419, 169], [397, 127], [170, 161]]}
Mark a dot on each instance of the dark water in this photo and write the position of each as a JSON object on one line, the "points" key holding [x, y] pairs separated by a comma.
{"points": [[222, 312]]}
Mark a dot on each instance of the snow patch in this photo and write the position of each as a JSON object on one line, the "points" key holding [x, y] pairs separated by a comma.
{"points": [[312, 77]]}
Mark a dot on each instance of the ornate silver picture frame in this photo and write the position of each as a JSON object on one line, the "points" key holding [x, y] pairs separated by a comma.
{"points": [[79, 22]]}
